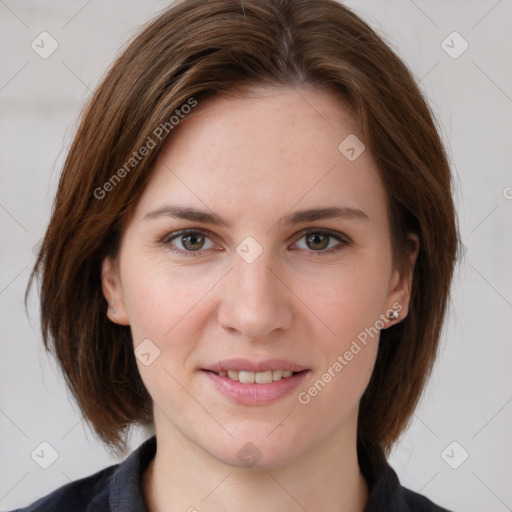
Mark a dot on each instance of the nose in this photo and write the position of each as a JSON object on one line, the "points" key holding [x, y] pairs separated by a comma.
{"points": [[256, 302]]}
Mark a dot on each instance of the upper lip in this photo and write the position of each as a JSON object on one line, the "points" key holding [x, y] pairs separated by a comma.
{"points": [[254, 366]]}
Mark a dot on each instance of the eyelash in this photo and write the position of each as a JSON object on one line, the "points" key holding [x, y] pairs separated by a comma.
{"points": [[343, 239]]}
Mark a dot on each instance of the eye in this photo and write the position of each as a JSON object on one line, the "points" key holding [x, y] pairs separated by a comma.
{"points": [[188, 241], [322, 241]]}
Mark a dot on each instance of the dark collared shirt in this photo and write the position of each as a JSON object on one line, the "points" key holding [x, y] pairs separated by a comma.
{"points": [[118, 489]]}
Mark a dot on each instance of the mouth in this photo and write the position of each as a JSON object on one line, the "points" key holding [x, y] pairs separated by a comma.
{"points": [[255, 383]]}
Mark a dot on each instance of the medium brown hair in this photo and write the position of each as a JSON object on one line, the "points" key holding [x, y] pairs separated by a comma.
{"points": [[197, 49]]}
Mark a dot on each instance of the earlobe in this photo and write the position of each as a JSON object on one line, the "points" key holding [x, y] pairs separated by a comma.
{"points": [[113, 293]]}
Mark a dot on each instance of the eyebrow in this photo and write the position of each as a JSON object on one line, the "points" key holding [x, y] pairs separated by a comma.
{"points": [[297, 217]]}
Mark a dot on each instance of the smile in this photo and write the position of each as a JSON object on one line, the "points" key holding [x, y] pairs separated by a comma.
{"points": [[249, 388]]}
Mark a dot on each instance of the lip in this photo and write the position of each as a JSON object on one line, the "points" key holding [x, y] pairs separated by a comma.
{"points": [[254, 394], [253, 366]]}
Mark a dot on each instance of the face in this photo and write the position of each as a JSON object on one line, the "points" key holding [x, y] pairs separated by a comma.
{"points": [[258, 248]]}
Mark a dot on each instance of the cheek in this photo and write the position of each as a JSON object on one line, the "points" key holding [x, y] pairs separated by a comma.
{"points": [[160, 297], [348, 353], [168, 305], [165, 305], [351, 300], [349, 304]]}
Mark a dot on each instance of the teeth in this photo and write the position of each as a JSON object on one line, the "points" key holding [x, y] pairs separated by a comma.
{"points": [[263, 377], [246, 377], [233, 374], [256, 377]]}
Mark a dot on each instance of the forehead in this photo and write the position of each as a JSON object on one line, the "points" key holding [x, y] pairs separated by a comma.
{"points": [[262, 153]]}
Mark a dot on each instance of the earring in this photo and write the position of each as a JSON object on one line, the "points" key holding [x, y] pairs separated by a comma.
{"points": [[393, 315]]}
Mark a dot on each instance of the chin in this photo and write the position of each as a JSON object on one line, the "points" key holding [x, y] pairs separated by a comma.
{"points": [[255, 449]]}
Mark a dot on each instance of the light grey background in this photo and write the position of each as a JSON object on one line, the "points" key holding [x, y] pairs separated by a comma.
{"points": [[469, 398]]}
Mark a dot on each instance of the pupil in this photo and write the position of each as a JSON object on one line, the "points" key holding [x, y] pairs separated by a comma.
{"points": [[193, 242], [320, 239]]}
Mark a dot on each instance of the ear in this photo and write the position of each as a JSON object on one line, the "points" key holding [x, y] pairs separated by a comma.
{"points": [[113, 292], [401, 284]]}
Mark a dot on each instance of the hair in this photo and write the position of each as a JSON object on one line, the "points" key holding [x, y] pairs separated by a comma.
{"points": [[194, 50]]}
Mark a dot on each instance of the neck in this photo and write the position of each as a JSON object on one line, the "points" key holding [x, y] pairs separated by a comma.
{"points": [[183, 477]]}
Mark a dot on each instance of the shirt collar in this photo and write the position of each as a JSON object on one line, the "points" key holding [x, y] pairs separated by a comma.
{"points": [[125, 489]]}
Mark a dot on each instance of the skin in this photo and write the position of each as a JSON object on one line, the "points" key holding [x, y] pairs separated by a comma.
{"points": [[252, 160]]}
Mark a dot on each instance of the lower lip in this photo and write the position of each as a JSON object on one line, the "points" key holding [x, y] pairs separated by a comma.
{"points": [[255, 394]]}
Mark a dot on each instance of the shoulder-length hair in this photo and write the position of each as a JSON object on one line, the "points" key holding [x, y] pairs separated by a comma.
{"points": [[194, 50]]}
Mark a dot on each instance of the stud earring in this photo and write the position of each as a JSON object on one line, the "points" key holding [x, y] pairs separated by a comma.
{"points": [[393, 315]]}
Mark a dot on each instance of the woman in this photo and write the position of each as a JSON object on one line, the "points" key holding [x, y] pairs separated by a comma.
{"points": [[251, 250]]}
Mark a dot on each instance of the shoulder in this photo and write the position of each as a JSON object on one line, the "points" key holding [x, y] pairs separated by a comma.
{"points": [[84, 495], [386, 493], [419, 503], [113, 489]]}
